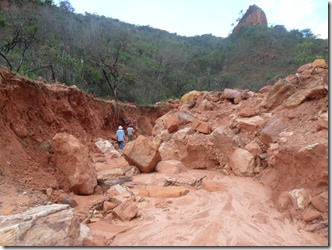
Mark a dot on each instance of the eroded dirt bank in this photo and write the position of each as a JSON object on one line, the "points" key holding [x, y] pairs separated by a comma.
{"points": [[32, 112], [231, 168]]}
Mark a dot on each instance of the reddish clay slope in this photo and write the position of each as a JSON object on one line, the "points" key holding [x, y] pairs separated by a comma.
{"points": [[32, 112]]}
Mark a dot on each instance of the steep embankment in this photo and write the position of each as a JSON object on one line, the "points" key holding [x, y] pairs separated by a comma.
{"points": [[32, 112]]}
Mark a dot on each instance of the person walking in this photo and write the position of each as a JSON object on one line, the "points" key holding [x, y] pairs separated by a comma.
{"points": [[120, 137], [130, 132]]}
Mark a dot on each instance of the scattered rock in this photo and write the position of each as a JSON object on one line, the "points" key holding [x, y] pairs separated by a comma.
{"points": [[319, 204], [46, 146], [186, 117], [311, 215], [49, 191], [162, 192], [202, 127], [231, 94], [189, 96], [65, 199], [170, 167], [50, 225], [172, 123], [265, 89], [316, 90], [213, 186], [300, 197], [242, 162], [247, 112], [110, 173], [207, 105], [237, 99], [249, 124], [254, 148], [272, 129], [284, 201], [106, 146], [126, 211], [98, 190], [319, 63], [110, 205], [119, 189], [142, 153], [133, 171], [304, 67], [323, 121], [277, 94]]}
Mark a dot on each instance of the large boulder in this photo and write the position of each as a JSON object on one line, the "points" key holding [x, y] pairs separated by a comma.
{"points": [[306, 167], [142, 153], [72, 159], [242, 162], [50, 225], [277, 94], [193, 150]]}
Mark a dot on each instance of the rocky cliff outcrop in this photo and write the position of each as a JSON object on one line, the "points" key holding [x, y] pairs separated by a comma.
{"points": [[253, 16]]}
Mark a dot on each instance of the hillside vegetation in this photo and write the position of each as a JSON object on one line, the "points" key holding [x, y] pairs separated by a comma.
{"points": [[112, 59]]}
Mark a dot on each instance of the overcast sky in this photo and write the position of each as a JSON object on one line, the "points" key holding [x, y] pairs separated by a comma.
{"points": [[197, 17]]}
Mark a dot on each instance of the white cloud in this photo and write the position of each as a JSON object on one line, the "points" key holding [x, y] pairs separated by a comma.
{"points": [[297, 14]]}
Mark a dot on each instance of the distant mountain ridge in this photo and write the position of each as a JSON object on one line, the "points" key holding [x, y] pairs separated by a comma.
{"points": [[112, 59]]}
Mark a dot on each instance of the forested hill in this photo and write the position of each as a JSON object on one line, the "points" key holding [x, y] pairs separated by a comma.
{"points": [[112, 59]]}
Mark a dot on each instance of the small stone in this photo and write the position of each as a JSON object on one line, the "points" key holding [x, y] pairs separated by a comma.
{"points": [[98, 190], [126, 211], [94, 219], [283, 140], [108, 206], [49, 191], [133, 171], [274, 146], [284, 201], [68, 200], [257, 170], [319, 204], [120, 189], [311, 215], [213, 186], [110, 216], [163, 192]]}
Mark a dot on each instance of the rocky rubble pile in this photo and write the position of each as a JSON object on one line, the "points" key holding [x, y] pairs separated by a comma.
{"points": [[278, 136]]}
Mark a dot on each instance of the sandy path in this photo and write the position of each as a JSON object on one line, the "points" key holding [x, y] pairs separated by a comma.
{"points": [[240, 215]]}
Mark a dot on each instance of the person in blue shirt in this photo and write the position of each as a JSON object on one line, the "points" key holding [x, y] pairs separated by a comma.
{"points": [[120, 137]]}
